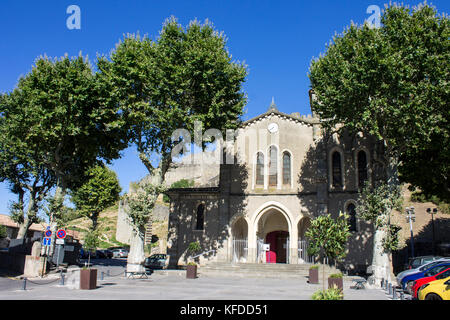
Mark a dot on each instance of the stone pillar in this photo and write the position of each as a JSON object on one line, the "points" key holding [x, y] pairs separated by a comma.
{"points": [[252, 249], [293, 245]]}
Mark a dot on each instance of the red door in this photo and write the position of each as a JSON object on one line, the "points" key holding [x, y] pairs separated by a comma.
{"points": [[271, 255]]}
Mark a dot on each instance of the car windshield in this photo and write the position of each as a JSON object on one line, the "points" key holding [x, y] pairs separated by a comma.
{"points": [[434, 271], [429, 265], [443, 275]]}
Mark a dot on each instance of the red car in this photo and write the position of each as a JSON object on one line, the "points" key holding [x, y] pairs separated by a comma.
{"points": [[422, 281]]}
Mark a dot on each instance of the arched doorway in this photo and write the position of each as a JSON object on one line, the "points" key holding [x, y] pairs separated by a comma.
{"points": [[273, 230], [239, 232]]}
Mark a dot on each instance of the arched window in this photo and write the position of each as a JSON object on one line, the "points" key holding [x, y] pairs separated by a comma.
{"points": [[362, 168], [351, 211], [286, 168], [200, 217], [336, 170], [273, 170], [260, 169]]}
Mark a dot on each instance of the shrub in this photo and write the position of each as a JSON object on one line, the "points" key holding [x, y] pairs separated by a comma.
{"points": [[183, 183], [316, 266], [336, 275], [330, 294]]}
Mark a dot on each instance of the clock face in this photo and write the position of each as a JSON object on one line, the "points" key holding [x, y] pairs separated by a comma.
{"points": [[273, 127]]}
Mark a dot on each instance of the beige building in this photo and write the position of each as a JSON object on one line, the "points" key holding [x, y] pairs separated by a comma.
{"points": [[285, 170]]}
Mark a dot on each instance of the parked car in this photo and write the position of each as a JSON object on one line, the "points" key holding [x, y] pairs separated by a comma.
{"points": [[416, 262], [407, 281], [436, 290], [108, 253], [419, 284], [84, 254], [104, 254], [156, 261], [120, 253], [403, 274]]}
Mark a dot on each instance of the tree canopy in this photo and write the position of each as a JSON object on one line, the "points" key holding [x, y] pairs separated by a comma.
{"points": [[393, 82], [186, 75], [55, 125], [100, 191]]}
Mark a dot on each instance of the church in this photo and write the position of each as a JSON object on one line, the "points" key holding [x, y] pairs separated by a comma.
{"points": [[286, 170]]}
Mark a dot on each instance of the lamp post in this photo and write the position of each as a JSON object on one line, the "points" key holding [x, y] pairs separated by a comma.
{"points": [[432, 223], [410, 218]]}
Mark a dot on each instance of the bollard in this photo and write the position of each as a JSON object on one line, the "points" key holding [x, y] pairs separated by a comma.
{"points": [[386, 286], [62, 279], [24, 284], [390, 288], [107, 273], [394, 295], [382, 283], [402, 295], [101, 275]]}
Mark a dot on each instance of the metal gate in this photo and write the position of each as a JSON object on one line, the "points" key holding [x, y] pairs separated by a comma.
{"points": [[240, 250], [303, 252], [287, 250]]}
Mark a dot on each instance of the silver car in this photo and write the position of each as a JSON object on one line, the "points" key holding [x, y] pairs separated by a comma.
{"points": [[405, 273], [120, 253]]}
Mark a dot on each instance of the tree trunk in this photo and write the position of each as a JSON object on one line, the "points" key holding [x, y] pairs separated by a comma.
{"points": [[380, 260], [23, 228], [381, 264], [136, 256], [28, 220]]}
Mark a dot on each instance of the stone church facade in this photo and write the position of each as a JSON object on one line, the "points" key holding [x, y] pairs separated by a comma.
{"points": [[286, 171]]}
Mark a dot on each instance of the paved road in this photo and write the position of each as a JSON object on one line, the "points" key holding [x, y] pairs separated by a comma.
{"points": [[173, 285]]}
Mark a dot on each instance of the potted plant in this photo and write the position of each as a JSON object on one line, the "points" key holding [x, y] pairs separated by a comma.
{"points": [[88, 276], [314, 274], [191, 268], [328, 237], [336, 280]]}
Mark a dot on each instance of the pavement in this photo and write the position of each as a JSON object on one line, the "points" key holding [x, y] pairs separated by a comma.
{"points": [[172, 285]]}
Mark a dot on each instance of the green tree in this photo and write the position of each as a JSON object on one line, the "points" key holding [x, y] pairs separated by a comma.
{"points": [[392, 82], [375, 205], [328, 236], [21, 165], [139, 205], [185, 75], [100, 191], [183, 183], [59, 123]]}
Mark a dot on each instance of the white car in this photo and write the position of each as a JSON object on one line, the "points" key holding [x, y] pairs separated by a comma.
{"points": [[403, 274], [120, 253]]}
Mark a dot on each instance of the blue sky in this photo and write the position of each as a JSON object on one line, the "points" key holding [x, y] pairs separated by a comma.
{"points": [[276, 39]]}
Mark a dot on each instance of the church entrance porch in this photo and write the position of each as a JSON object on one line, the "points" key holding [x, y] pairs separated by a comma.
{"points": [[272, 232], [278, 242]]}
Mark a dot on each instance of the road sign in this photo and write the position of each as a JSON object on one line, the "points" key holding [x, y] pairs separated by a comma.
{"points": [[59, 241], [61, 234], [47, 241], [48, 233]]}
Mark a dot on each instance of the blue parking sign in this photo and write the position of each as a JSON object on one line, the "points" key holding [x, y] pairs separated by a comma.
{"points": [[47, 241]]}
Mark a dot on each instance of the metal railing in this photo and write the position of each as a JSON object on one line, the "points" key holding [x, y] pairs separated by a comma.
{"points": [[240, 250], [303, 252], [203, 253]]}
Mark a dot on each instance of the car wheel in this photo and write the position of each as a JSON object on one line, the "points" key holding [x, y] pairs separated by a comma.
{"points": [[432, 296]]}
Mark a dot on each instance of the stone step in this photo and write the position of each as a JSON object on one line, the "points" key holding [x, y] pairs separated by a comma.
{"points": [[262, 270]]}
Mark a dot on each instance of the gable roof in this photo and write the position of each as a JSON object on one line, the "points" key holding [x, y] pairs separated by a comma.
{"points": [[273, 110]]}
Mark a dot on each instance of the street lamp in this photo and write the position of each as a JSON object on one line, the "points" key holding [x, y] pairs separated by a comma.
{"points": [[410, 218], [432, 223]]}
